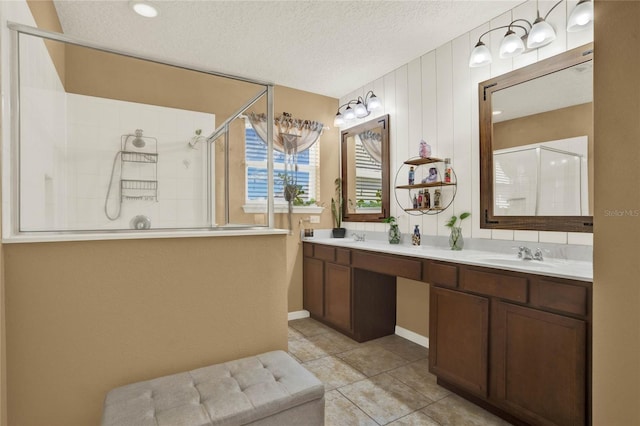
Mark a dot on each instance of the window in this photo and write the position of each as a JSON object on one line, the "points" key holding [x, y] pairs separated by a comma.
{"points": [[256, 172]]}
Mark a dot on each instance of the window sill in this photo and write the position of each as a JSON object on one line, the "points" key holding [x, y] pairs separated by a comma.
{"points": [[282, 208]]}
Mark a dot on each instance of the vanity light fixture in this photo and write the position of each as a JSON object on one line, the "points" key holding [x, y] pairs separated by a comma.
{"points": [[362, 108], [144, 8], [538, 34]]}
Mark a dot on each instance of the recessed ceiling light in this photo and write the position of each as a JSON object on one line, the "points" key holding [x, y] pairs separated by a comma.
{"points": [[497, 112], [143, 8]]}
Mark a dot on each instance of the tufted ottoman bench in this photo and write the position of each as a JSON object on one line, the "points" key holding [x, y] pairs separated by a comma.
{"points": [[268, 389]]}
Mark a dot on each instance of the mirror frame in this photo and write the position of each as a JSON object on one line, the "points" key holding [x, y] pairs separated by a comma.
{"points": [[485, 91], [383, 122]]}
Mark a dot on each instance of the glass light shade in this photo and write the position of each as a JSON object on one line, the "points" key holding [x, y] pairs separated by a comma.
{"points": [[349, 114], [581, 16], [339, 120], [541, 34], [511, 45], [374, 103], [480, 55], [360, 110], [144, 9]]}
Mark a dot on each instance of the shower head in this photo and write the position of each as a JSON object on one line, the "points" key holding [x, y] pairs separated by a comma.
{"points": [[138, 142]]}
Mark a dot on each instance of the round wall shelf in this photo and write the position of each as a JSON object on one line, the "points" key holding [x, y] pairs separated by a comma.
{"points": [[425, 180]]}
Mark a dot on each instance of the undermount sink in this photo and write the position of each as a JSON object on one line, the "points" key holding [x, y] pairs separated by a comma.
{"points": [[514, 262]]}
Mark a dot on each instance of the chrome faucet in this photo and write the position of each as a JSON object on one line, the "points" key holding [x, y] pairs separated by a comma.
{"points": [[524, 253], [359, 237]]}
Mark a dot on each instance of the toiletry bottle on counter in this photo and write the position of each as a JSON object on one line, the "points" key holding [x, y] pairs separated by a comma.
{"points": [[447, 170], [412, 175], [415, 238]]}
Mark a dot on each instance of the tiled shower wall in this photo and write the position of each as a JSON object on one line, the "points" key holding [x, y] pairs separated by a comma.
{"points": [[435, 98], [68, 145], [95, 129]]}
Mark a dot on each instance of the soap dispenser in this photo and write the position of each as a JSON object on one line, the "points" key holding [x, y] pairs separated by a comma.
{"points": [[415, 238]]}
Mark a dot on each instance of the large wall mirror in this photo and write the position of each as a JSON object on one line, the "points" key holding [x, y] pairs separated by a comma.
{"points": [[365, 171], [536, 146]]}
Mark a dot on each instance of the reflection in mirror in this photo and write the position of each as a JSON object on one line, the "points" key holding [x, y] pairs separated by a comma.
{"points": [[537, 145], [365, 165]]}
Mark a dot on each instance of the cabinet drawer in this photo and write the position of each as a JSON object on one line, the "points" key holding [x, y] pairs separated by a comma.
{"points": [[386, 264], [505, 286], [343, 256], [307, 249], [551, 294], [324, 253], [442, 274]]}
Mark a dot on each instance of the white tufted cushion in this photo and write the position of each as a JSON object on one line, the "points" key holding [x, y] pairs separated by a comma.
{"points": [[233, 393]]}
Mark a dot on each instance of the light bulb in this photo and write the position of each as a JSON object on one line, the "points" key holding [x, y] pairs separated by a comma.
{"points": [[480, 55], [349, 114], [339, 120], [581, 16], [541, 34], [511, 45], [374, 103], [144, 9], [360, 110]]}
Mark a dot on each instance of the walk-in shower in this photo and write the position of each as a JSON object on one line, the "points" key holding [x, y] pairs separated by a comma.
{"points": [[96, 148]]}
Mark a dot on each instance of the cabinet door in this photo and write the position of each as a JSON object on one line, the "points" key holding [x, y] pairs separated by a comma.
{"points": [[538, 365], [458, 339], [337, 295], [312, 288]]}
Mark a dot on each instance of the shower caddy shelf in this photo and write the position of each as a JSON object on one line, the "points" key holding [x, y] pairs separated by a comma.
{"points": [[139, 189], [407, 189]]}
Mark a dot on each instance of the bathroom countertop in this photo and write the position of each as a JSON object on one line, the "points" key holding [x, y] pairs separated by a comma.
{"points": [[552, 267]]}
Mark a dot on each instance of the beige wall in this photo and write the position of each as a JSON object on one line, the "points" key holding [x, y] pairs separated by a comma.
{"points": [[84, 317], [46, 17], [616, 288]]}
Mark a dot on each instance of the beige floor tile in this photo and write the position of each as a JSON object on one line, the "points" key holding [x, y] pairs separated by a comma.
{"points": [[333, 372], [372, 359], [384, 398], [456, 411], [417, 376], [401, 346], [309, 327], [339, 411], [304, 350], [294, 334], [333, 342], [416, 418]]}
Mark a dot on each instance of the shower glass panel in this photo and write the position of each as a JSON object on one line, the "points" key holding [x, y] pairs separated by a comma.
{"points": [[106, 141]]}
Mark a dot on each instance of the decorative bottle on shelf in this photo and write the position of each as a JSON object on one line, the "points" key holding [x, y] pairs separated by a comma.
{"points": [[415, 202], [412, 176], [427, 199], [447, 170], [436, 199], [420, 198], [415, 238]]}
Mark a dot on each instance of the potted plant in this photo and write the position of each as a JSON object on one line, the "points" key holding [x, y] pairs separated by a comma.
{"points": [[456, 242], [394, 231], [336, 211]]}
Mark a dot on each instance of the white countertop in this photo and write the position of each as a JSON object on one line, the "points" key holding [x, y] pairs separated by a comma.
{"points": [[552, 267]]}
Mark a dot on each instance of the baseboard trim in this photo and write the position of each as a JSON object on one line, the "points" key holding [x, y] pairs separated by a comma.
{"points": [[413, 337], [298, 315]]}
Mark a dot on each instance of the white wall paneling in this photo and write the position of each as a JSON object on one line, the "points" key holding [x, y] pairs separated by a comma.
{"points": [[435, 98]]}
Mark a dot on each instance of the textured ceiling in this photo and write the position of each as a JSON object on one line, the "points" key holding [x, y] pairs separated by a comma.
{"points": [[326, 47]]}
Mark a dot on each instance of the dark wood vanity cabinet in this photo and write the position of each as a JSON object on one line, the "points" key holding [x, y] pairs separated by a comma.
{"points": [[356, 302], [458, 339], [516, 342]]}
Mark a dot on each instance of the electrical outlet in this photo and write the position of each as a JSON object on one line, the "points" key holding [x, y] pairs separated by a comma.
{"points": [[314, 219]]}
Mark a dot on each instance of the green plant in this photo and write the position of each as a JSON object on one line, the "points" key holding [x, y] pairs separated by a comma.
{"points": [[336, 204], [454, 219], [390, 220]]}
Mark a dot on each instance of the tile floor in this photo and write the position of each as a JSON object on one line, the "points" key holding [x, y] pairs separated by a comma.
{"points": [[380, 382]]}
